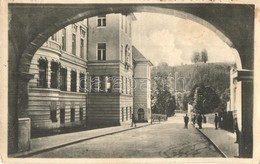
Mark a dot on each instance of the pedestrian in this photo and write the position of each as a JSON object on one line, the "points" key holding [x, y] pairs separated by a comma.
{"points": [[236, 130], [216, 120], [186, 120], [199, 120], [194, 119], [133, 120], [204, 119]]}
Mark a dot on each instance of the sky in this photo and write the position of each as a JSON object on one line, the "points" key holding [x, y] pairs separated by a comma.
{"points": [[166, 38]]}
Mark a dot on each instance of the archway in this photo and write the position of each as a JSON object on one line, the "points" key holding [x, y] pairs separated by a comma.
{"points": [[28, 33], [140, 114]]}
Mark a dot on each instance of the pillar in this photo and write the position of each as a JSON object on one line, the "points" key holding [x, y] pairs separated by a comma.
{"points": [[246, 136], [68, 78], [77, 80], [24, 124], [49, 75]]}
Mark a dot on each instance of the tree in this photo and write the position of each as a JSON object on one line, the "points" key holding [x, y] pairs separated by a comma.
{"points": [[195, 57], [204, 56], [162, 100], [205, 99]]}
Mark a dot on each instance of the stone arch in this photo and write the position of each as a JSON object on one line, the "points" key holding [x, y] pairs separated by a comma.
{"points": [[237, 32], [32, 47]]}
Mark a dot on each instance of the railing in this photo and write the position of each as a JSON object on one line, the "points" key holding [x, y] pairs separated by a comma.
{"points": [[52, 44], [158, 117]]}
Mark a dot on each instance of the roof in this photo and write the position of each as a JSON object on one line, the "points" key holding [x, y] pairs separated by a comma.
{"points": [[138, 56]]}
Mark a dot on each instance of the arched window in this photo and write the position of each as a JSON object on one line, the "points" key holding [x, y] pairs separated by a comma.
{"points": [[140, 114], [54, 74], [43, 76], [127, 54]]}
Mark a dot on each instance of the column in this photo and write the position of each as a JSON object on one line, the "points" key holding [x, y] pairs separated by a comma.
{"points": [[24, 124], [85, 82], [246, 136], [68, 78], [49, 74], [77, 80]]}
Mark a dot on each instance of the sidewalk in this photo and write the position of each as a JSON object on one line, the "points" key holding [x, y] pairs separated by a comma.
{"points": [[222, 139], [42, 144]]}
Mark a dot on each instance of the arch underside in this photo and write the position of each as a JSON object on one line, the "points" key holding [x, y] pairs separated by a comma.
{"points": [[31, 25]]}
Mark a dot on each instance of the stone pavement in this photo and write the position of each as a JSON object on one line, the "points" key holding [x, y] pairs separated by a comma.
{"points": [[42, 144], [222, 139]]}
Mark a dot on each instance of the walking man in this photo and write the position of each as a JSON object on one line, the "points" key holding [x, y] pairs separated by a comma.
{"points": [[216, 120], [186, 120], [199, 119], [133, 120]]}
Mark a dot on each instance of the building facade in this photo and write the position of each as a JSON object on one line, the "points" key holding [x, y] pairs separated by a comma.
{"points": [[142, 87], [84, 75], [57, 93], [111, 69]]}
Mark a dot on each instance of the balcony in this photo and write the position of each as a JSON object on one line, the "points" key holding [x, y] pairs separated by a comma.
{"points": [[51, 44]]}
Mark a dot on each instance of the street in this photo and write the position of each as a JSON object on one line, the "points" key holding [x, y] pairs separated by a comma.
{"points": [[165, 140]]}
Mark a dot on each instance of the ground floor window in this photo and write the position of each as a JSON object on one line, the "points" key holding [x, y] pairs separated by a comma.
{"points": [[62, 116], [53, 115], [80, 114], [140, 114], [73, 85], [126, 113], [122, 111], [72, 114]]}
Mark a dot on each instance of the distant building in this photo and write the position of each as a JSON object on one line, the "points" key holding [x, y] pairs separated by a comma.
{"points": [[110, 65], [142, 86]]}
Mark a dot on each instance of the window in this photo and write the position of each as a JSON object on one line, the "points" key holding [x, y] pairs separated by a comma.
{"points": [[126, 85], [54, 74], [122, 53], [81, 114], [72, 114], [126, 113], [54, 37], [63, 39], [102, 84], [109, 84], [127, 54], [94, 84], [82, 48], [101, 52], [82, 82], [125, 24], [130, 86], [62, 116], [43, 66], [122, 111], [63, 79], [101, 21], [122, 84], [73, 44], [53, 114], [73, 84]]}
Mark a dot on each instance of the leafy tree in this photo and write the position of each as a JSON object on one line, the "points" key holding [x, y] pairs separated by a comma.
{"points": [[204, 56], [195, 57], [205, 99]]}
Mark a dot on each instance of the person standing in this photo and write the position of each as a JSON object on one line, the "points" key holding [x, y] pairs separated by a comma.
{"points": [[216, 120], [199, 119], [133, 120], [186, 120]]}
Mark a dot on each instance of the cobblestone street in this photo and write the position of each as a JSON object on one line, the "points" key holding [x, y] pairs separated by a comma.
{"points": [[165, 140]]}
